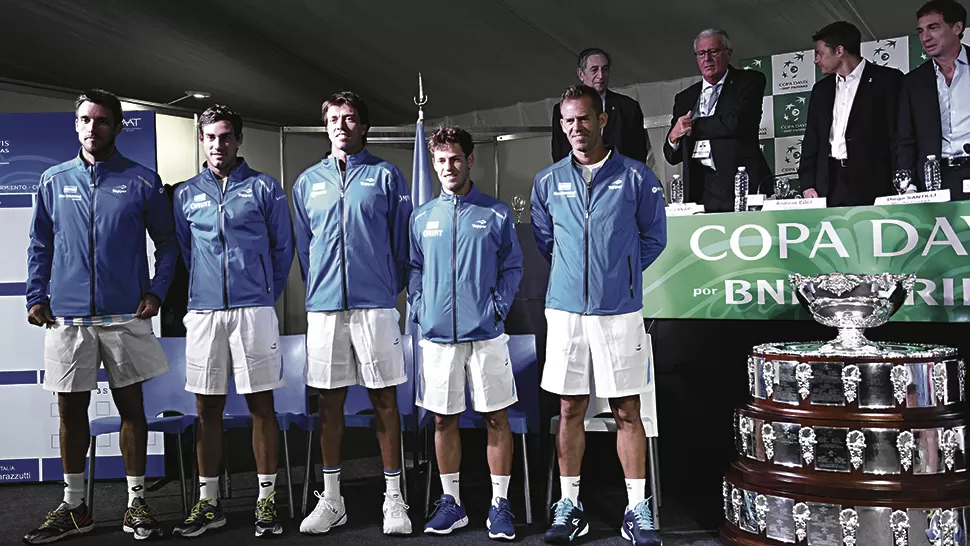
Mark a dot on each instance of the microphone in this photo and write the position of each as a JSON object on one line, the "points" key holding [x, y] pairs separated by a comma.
{"points": [[966, 148]]}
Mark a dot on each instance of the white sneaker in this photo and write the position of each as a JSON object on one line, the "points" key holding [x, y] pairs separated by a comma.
{"points": [[396, 520], [327, 514]]}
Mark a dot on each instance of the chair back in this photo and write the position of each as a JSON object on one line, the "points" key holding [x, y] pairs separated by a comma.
{"points": [[292, 397], [166, 392]]}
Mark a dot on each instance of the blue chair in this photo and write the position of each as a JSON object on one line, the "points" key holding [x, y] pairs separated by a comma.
{"points": [[163, 394], [289, 401], [523, 415], [359, 413]]}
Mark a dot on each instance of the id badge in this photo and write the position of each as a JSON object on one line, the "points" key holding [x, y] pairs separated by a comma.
{"points": [[702, 149]]}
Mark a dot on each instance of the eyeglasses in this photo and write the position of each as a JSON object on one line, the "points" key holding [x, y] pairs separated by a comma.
{"points": [[714, 52]]}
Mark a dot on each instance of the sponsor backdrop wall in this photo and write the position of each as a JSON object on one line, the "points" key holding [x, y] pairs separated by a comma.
{"points": [[790, 77], [29, 144]]}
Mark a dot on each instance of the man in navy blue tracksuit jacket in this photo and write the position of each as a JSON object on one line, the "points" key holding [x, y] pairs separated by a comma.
{"points": [[89, 283], [599, 218], [466, 265], [236, 236]]}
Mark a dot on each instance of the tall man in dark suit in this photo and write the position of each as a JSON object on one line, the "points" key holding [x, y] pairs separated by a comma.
{"points": [[934, 112], [848, 153], [624, 130], [715, 123]]}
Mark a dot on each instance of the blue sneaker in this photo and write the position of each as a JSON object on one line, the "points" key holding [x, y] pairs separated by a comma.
{"points": [[568, 522], [638, 526], [499, 522], [447, 517]]}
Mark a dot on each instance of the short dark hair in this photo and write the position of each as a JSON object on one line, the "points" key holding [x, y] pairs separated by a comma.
{"points": [[585, 54], [577, 92], [221, 112], [446, 136], [841, 33], [346, 98], [101, 98], [951, 11]]}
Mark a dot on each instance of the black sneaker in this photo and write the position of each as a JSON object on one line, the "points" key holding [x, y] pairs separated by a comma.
{"points": [[141, 520], [61, 523], [267, 522], [568, 523], [204, 516]]}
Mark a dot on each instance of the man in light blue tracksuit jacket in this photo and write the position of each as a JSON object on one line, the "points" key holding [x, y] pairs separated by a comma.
{"points": [[352, 211], [236, 237], [599, 218], [88, 282], [466, 265]]}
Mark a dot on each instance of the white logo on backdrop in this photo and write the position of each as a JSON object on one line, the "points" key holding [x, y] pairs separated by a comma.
{"points": [[792, 72]]}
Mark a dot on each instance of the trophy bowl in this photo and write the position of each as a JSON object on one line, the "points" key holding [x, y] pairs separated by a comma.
{"points": [[852, 303]]}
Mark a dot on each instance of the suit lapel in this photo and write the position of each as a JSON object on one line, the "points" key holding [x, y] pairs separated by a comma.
{"points": [[861, 94]]}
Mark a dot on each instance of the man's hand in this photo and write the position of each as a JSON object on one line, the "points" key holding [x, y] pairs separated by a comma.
{"points": [[40, 315], [810, 193], [911, 189], [681, 127], [148, 307]]}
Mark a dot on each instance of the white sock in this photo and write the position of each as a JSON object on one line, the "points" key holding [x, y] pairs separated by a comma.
{"points": [[73, 489], [570, 488], [209, 489], [393, 480], [267, 484], [331, 482], [635, 492], [500, 488], [136, 488], [449, 486]]}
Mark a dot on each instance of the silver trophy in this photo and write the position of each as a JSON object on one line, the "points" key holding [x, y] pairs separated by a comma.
{"points": [[899, 522], [519, 204], [905, 443], [801, 514], [849, 520], [807, 441], [856, 442], [851, 376], [768, 439], [852, 303], [803, 376]]}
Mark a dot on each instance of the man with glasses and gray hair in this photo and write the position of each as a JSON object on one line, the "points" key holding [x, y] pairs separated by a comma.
{"points": [[715, 124], [624, 130]]}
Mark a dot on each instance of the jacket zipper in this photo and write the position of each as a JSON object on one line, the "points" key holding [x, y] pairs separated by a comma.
{"points": [[454, 269], [225, 257], [94, 194], [494, 307], [629, 268], [343, 249], [589, 197]]}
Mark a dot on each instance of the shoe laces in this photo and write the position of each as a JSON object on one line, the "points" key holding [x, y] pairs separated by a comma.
{"points": [[197, 510], [644, 516], [396, 504], [503, 512], [324, 504], [443, 507], [59, 515], [564, 509], [143, 512], [266, 509]]}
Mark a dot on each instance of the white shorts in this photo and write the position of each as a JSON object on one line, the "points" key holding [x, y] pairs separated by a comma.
{"points": [[243, 343], [355, 347], [605, 356], [73, 354], [485, 364]]}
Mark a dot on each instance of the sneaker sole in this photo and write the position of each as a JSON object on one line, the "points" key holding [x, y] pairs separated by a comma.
{"points": [[131, 531], [567, 540], [497, 536], [276, 530], [339, 522], [457, 525], [72, 532], [214, 525], [629, 537]]}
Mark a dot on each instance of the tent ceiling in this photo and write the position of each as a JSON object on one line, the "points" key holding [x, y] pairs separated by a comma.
{"points": [[277, 60]]}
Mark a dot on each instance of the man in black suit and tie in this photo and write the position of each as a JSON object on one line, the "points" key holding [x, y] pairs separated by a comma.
{"points": [[848, 153], [624, 130], [934, 112], [714, 129]]}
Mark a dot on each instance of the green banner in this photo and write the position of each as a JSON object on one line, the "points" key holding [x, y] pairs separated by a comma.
{"points": [[736, 265]]}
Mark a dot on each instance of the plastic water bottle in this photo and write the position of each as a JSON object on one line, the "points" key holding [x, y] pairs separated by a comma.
{"points": [[931, 173], [676, 190], [741, 190]]}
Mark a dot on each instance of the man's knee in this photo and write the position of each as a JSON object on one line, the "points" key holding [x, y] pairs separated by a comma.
{"points": [[497, 421], [383, 399], [332, 400], [129, 402], [626, 411], [73, 406], [261, 405], [445, 423], [573, 407], [210, 407]]}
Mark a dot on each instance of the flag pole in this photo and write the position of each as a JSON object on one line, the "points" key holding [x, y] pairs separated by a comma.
{"points": [[421, 99]]}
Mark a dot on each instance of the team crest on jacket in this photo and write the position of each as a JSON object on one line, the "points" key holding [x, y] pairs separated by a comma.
{"points": [[481, 224]]}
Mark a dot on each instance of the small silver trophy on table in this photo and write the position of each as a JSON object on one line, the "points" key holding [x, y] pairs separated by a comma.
{"points": [[519, 204]]}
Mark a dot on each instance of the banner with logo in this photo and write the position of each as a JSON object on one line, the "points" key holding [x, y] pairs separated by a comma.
{"points": [[790, 77], [736, 265], [29, 145]]}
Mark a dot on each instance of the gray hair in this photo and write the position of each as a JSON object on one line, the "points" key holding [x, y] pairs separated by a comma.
{"points": [[710, 32]]}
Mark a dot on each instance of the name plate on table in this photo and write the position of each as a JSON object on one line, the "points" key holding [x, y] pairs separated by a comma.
{"points": [[794, 204], [939, 196], [756, 201], [684, 209]]}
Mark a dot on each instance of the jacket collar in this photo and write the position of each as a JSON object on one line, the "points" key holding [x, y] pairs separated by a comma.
{"points": [[473, 196], [114, 160], [238, 173], [360, 158]]}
